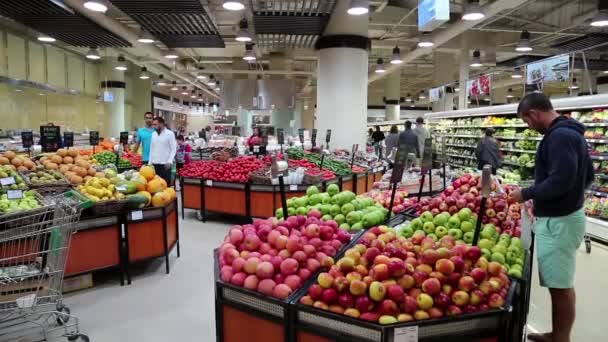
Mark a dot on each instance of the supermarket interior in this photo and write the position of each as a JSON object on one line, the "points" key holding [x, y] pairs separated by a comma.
{"points": [[303, 170]]}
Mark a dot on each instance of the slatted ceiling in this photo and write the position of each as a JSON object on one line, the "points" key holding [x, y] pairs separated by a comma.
{"points": [[293, 24], [177, 23], [46, 17], [588, 42]]}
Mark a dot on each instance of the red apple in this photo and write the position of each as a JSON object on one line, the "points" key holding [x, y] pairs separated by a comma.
{"points": [[453, 310], [442, 300], [395, 293], [460, 298], [445, 266], [364, 304], [466, 283], [478, 275], [388, 307]]}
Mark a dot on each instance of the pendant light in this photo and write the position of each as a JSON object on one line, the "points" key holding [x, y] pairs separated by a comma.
{"points": [[476, 61], [144, 75], [233, 5], [426, 40], [601, 18], [174, 86], [408, 98], [184, 90], [524, 42], [95, 5], [93, 54], [193, 94], [46, 39], [396, 59], [145, 37], [122, 63], [574, 84], [358, 7], [472, 11], [380, 66], [456, 88], [161, 81], [217, 86], [243, 34], [171, 54], [211, 82], [249, 55], [517, 73], [422, 96], [510, 93], [201, 75]]}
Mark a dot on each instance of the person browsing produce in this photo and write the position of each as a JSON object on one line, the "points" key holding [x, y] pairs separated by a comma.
{"points": [[488, 152], [410, 139], [391, 140], [144, 136], [163, 149], [563, 172], [377, 138], [422, 134], [182, 155]]}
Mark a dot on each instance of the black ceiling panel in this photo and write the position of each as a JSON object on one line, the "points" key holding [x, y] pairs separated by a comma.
{"points": [[177, 23], [289, 24], [60, 23], [520, 60], [588, 42]]}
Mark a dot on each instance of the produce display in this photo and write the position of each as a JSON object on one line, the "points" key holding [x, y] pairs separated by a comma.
{"points": [[44, 177], [133, 158], [9, 171], [75, 167], [105, 158], [21, 163], [350, 211], [386, 278], [339, 168], [28, 202], [236, 170], [400, 204], [276, 257]]}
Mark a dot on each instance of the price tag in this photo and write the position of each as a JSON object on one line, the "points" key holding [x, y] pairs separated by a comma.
{"points": [[121, 188], [27, 139], [94, 138], [293, 187], [14, 194], [137, 215], [68, 139], [401, 157], [7, 181], [209, 182], [407, 334], [280, 136], [124, 138]]}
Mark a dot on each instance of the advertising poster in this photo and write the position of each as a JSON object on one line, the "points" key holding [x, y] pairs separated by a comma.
{"points": [[479, 86], [551, 69], [437, 94]]}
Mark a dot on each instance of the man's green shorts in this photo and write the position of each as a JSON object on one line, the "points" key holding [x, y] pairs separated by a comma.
{"points": [[557, 240]]}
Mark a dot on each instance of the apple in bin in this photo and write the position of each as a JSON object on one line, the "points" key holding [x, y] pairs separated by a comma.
{"points": [[460, 298]]}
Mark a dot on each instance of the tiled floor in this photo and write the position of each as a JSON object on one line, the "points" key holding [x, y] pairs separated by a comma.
{"points": [[180, 306]]}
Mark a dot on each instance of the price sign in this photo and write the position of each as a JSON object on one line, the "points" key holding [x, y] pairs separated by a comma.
{"points": [[427, 157], [27, 139], [209, 182], [49, 137], [280, 136], [14, 194], [406, 334], [403, 151], [301, 135], [256, 149], [264, 131], [328, 136], [124, 138], [7, 181], [93, 138], [121, 188], [314, 137], [137, 215], [68, 139], [293, 187]]}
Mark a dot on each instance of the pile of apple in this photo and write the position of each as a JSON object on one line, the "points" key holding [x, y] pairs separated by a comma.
{"points": [[400, 204], [275, 258], [465, 192], [386, 278]]}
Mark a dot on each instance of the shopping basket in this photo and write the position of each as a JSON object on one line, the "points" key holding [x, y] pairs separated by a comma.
{"points": [[33, 251]]}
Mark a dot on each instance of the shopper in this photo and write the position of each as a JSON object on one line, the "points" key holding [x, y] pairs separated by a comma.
{"points": [[488, 152], [409, 138], [163, 149], [182, 155], [421, 133], [144, 137], [563, 172], [377, 138], [391, 141]]}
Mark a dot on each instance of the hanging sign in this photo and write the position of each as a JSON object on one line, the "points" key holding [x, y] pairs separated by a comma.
{"points": [[27, 139], [280, 136], [551, 69], [432, 13], [49, 138], [436, 94], [479, 86], [94, 138], [68, 139]]}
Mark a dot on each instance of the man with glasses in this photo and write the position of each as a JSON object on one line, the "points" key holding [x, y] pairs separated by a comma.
{"points": [[562, 173]]}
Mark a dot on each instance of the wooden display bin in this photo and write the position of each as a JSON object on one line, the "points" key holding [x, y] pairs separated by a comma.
{"points": [[347, 183], [263, 200], [360, 183], [225, 198], [191, 193]]}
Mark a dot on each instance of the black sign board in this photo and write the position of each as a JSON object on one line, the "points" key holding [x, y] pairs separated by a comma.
{"points": [[124, 138], [49, 138], [314, 137], [27, 139], [257, 149], [301, 135], [427, 157], [403, 151], [328, 136], [94, 138], [264, 132], [68, 139], [280, 136]]}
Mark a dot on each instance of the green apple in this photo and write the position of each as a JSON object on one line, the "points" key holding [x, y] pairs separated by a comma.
{"points": [[416, 224], [468, 237], [464, 214], [291, 211], [499, 248], [488, 232], [426, 216], [455, 233], [454, 222], [440, 220], [312, 190], [345, 226], [515, 273], [302, 211], [407, 232], [467, 226], [498, 257], [433, 236], [357, 226], [428, 227], [314, 199], [353, 217], [486, 253], [347, 208], [441, 231], [326, 217], [486, 243], [505, 237], [340, 219], [334, 209], [333, 189]]}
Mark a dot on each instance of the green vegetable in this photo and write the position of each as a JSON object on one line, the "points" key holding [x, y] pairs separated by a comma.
{"points": [[105, 158], [137, 201]]}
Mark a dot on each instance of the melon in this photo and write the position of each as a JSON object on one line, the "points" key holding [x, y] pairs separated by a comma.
{"points": [[154, 186], [73, 153], [29, 164], [160, 199], [137, 201], [64, 168], [62, 152], [22, 168], [9, 154], [17, 161], [51, 166], [92, 171], [80, 171], [171, 193], [68, 160], [147, 195], [4, 161], [76, 179], [57, 159], [147, 172]]}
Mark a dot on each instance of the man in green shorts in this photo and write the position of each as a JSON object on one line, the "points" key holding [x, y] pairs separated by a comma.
{"points": [[563, 171]]}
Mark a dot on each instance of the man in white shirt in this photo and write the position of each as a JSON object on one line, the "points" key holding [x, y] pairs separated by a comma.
{"points": [[162, 149]]}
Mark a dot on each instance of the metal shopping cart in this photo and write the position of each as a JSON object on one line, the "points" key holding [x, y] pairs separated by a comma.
{"points": [[33, 251]]}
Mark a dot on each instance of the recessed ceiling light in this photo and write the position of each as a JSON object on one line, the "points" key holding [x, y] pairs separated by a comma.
{"points": [[201, 76], [524, 42], [422, 96], [574, 84], [472, 11], [161, 81], [193, 94], [358, 7], [95, 6], [380, 66], [408, 98], [232, 5], [396, 59], [46, 39], [476, 61], [174, 86], [170, 54], [211, 82], [93, 54], [122, 63], [41, 94], [510, 93], [456, 89], [18, 90], [144, 75], [426, 40]]}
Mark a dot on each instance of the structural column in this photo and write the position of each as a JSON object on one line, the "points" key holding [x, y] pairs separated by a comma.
{"points": [[391, 93], [113, 82], [342, 78], [443, 75], [465, 63]]}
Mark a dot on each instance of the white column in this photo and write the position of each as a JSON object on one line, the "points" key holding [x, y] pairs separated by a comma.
{"points": [[391, 93], [465, 63], [342, 80], [443, 74], [114, 83]]}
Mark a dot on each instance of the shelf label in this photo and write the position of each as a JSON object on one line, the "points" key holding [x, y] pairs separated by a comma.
{"points": [[328, 136], [401, 158], [301, 135], [209, 182], [7, 181], [121, 188], [14, 194], [407, 334], [293, 187], [137, 215], [314, 137], [256, 149]]}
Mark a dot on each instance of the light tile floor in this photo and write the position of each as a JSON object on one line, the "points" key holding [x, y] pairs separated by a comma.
{"points": [[180, 306]]}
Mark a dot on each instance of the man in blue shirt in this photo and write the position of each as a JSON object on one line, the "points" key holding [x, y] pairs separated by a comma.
{"points": [[144, 137]]}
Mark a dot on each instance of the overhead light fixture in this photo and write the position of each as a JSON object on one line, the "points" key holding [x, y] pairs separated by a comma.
{"points": [[232, 5], [249, 55], [144, 75], [145, 37], [517, 73], [174, 86], [476, 61], [472, 11], [524, 42], [358, 7], [510, 93], [408, 98], [422, 95], [93, 54], [122, 63], [396, 59], [380, 66], [456, 89], [46, 39], [574, 85], [201, 76], [171, 54], [211, 82], [95, 6], [426, 40], [243, 34], [601, 18], [161, 81], [193, 94], [184, 90]]}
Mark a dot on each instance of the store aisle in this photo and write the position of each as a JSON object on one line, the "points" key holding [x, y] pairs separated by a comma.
{"points": [[180, 306]]}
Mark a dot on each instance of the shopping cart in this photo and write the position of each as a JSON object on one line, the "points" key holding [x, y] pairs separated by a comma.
{"points": [[33, 251]]}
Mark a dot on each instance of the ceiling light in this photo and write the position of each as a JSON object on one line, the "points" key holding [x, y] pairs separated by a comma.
{"points": [[184, 91], [600, 19], [161, 81], [93, 54], [472, 11], [574, 84], [144, 75], [517, 73], [170, 54], [95, 6], [232, 5], [200, 75], [145, 37], [249, 55], [174, 86], [476, 61], [426, 40], [380, 66], [510, 93], [408, 98], [456, 89], [524, 42], [211, 82], [422, 96], [243, 34], [18, 90], [396, 59], [46, 39], [193, 94], [122, 63], [358, 7]]}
